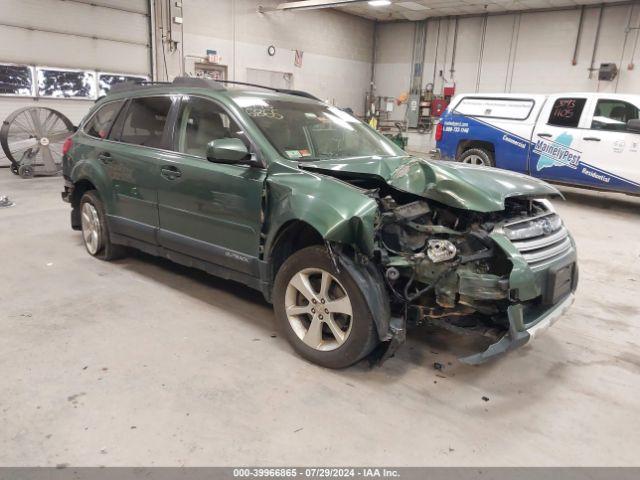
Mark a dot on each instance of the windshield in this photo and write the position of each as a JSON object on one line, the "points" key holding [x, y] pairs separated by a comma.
{"points": [[306, 131]]}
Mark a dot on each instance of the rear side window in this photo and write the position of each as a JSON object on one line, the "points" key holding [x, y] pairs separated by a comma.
{"points": [[613, 115], [503, 108], [566, 112], [100, 124], [145, 121]]}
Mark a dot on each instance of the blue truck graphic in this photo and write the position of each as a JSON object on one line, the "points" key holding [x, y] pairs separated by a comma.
{"points": [[582, 140]]}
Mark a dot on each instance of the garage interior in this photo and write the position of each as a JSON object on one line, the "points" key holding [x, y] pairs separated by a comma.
{"points": [[142, 362]]}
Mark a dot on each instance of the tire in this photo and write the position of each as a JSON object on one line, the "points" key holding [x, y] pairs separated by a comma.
{"points": [[477, 156], [95, 230], [358, 329]]}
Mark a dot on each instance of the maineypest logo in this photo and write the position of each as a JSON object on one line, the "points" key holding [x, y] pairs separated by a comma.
{"points": [[557, 153]]}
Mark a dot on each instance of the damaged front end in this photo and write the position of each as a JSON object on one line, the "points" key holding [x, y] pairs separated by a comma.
{"points": [[502, 275]]}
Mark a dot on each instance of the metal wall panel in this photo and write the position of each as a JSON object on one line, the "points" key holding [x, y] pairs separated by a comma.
{"points": [[102, 35], [73, 17]]}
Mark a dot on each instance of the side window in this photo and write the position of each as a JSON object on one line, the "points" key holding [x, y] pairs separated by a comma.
{"points": [[566, 112], [100, 123], [201, 121], [145, 120], [613, 115]]}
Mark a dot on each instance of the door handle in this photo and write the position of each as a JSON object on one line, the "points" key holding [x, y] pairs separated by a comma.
{"points": [[105, 157], [545, 135], [591, 139], [170, 172]]}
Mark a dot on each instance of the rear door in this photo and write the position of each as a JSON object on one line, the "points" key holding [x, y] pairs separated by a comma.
{"points": [[611, 153], [139, 145], [557, 149], [211, 211]]}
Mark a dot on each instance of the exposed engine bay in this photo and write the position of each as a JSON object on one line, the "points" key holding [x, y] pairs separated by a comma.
{"points": [[443, 268], [440, 264]]}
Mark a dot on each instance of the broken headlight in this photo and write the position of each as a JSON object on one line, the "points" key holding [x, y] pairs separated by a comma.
{"points": [[533, 228]]}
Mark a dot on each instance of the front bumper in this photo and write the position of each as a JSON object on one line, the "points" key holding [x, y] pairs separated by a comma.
{"points": [[521, 332]]}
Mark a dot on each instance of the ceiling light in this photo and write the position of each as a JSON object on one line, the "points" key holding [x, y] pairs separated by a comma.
{"points": [[379, 3]]}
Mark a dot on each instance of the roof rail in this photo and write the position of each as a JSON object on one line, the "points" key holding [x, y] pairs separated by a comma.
{"points": [[298, 93], [198, 82]]}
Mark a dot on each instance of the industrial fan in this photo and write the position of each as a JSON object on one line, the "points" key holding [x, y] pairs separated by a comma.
{"points": [[32, 138]]}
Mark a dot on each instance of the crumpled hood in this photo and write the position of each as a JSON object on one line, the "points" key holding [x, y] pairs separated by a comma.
{"points": [[458, 185]]}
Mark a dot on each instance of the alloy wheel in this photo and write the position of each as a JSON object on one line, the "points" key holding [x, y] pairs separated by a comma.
{"points": [[91, 228], [474, 160], [318, 309]]}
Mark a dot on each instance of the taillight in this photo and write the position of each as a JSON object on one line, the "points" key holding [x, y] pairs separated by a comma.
{"points": [[66, 146], [439, 128]]}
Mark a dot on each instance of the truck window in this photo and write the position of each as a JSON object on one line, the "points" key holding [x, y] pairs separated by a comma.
{"points": [[503, 108], [613, 115], [566, 112]]}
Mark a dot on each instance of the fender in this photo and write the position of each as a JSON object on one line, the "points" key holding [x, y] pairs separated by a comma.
{"points": [[311, 198], [88, 170]]}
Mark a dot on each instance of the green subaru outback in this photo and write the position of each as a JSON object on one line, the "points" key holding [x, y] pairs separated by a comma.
{"points": [[350, 238]]}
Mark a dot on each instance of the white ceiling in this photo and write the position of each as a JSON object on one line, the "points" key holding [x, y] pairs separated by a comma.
{"points": [[421, 9]]}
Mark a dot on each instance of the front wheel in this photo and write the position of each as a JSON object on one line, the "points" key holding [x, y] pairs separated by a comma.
{"points": [[322, 311], [477, 156]]}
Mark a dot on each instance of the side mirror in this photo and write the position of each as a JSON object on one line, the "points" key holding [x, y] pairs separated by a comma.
{"points": [[227, 150], [633, 125]]}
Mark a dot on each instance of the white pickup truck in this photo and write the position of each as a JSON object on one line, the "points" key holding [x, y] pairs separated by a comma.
{"points": [[589, 140]]}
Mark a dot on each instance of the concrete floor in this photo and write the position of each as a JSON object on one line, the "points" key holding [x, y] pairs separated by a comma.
{"points": [[141, 362]]}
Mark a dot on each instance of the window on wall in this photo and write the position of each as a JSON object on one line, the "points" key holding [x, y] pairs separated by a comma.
{"points": [[16, 80], [59, 83], [566, 112], [108, 80], [101, 122], [24, 80], [613, 115], [145, 120]]}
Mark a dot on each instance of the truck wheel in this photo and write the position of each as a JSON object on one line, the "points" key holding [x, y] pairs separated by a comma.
{"points": [[322, 311], [477, 156], [95, 231]]}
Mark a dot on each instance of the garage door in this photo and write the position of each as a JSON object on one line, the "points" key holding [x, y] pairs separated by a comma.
{"points": [[100, 37]]}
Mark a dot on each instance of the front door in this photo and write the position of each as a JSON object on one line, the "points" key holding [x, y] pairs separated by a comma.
{"points": [[557, 150], [612, 152], [209, 210]]}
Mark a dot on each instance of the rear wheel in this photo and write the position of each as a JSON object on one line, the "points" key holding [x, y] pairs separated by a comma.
{"points": [[322, 311], [95, 231], [477, 156]]}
